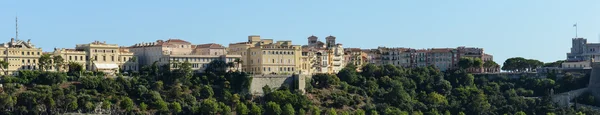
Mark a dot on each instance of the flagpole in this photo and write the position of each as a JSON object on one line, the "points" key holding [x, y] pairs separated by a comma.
{"points": [[575, 25]]}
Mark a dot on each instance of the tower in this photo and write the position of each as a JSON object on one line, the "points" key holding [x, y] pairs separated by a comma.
{"points": [[330, 41], [312, 40]]}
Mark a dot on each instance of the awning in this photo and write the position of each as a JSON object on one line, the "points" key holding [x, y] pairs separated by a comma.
{"points": [[106, 66]]}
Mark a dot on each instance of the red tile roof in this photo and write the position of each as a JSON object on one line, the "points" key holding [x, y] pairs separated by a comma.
{"points": [[210, 45]]}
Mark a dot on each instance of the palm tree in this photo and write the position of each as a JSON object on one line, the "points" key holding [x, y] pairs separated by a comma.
{"points": [[238, 61], [58, 62], [230, 65], [4, 66]]}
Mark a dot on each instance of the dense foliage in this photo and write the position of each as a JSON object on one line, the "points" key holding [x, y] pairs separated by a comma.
{"points": [[385, 90], [519, 64]]}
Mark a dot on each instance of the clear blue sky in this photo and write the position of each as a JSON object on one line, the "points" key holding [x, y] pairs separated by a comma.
{"points": [[540, 29]]}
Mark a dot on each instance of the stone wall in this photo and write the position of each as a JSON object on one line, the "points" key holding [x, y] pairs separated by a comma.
{"points": [[276, 81]]}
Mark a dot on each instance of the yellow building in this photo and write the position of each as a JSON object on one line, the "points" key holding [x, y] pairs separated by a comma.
{"points": [[355, 56], [20, 55], [99, 56], [329, 56], [263, 56]]}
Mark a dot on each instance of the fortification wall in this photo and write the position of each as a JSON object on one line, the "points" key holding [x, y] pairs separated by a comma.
{"points": [[276, 81], [594, 84]]}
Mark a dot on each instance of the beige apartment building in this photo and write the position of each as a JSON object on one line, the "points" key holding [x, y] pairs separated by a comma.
{"points": [[441, 58], [263, 56], [355, 56], [100, 56], [20, 55], [174, 51], [329, 55], [396, 56]]}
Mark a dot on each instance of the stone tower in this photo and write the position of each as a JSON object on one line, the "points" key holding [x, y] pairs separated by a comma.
{"points": [[330, 41], [312, 40]]}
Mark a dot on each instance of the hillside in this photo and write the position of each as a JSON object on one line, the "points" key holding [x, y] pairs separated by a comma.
{"points": [[386, 90]]}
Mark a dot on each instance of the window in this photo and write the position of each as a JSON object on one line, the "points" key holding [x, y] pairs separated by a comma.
{"points": [[112, 58], [22, 53], [103, 58], [70, 58]]}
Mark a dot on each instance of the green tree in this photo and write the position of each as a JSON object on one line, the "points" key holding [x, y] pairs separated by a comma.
{"points": [[106, 104], [255, 109], [520, 113], [241, 109], [321, 80], [288, 109], [45, 62], [273, 109], [176, 107], [143, 106], [209, 106], [359, 112], [331, 111], [4, 67], [58, 62], [75, 68], [238, 61], [216, 66], [127, 104], [315, 110], [436, 100]]}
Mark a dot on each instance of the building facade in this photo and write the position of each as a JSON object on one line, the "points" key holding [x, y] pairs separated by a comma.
{"points": [[442, 58], [263, 56], [100, 56], [581, 50], [20, 55], [175, 51], [329, 56]]}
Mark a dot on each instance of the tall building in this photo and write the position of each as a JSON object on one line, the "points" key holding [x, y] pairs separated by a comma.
{"points": [[99, 56], [263, 56], [329, 56], [20, 55], [174, 51]]}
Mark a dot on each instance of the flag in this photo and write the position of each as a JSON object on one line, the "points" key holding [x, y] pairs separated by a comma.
{"points": [[574, 25]]}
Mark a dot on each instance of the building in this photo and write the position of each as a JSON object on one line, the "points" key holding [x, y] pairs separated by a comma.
{"points": [[493, 69], [174, 51], [373, 56], [442, 58], [329, 56], [263, 56], [99, 56], [401, 57], [20, 55], [355, 56], [581, 50]]}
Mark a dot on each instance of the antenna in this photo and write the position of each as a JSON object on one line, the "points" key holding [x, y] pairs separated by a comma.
{"points": [[16, 27]]}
